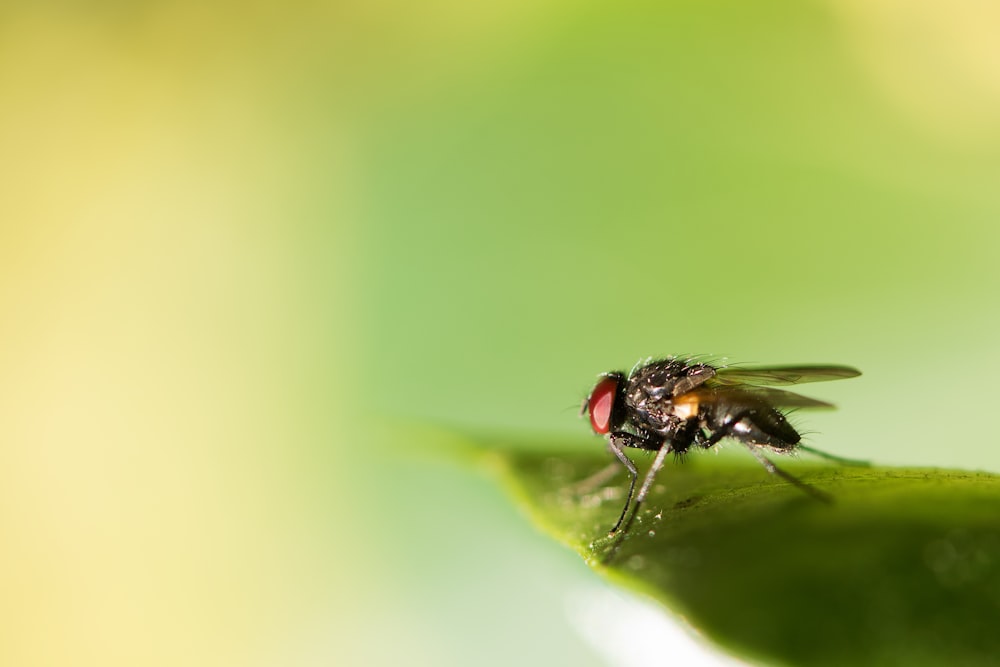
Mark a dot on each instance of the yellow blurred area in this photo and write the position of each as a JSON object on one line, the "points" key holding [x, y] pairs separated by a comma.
{"points": [[169, 345], [939, 64]]}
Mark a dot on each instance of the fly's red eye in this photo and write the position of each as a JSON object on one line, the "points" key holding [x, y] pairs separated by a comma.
{"points": [[600, 403]]}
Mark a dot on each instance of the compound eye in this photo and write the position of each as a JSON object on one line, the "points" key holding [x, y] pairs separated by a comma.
{"points": [[600, 403]]}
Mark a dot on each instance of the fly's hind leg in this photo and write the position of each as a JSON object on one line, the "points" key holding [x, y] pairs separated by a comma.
{"points": [[727, 428], [775, 470], [857, 463]]}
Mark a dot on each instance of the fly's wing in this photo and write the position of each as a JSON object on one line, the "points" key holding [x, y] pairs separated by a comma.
{"points": [[779, 375], [750, 397]]}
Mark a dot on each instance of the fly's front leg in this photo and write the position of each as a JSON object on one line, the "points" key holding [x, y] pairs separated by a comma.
{"points": [[679, 443], [661, 456], [616, 441]]}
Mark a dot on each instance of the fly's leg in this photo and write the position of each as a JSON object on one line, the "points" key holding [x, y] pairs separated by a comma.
{"points": [[836, 459], [661, 455], [599, 478], [775, 470], [616, 441], [680, 444], [727, 429]]}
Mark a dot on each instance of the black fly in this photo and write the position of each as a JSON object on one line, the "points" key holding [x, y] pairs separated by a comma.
{"points": [[672, 405]]}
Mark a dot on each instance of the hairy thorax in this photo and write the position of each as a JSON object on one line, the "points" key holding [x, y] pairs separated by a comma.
{"points": [[657, 393]]}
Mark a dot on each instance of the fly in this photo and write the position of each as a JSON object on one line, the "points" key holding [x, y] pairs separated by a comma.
{"points": [[672, 405]]}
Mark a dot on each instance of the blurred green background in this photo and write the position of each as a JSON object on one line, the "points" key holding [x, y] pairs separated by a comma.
{"points": [[242, 245]]}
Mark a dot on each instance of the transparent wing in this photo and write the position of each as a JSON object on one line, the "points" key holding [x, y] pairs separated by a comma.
{"points": [[751, 397], [780, 375]]}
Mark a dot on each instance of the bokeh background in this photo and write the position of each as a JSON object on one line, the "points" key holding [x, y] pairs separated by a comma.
{"points": [[257, 260]]}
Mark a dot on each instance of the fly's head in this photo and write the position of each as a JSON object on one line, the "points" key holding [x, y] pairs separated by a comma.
{"points": [[606, 404]]}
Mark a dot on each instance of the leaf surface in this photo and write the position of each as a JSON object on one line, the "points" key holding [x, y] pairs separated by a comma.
{"points": [[903, 568]]}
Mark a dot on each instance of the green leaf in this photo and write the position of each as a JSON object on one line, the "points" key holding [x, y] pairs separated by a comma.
{"points": [[903, 568]]}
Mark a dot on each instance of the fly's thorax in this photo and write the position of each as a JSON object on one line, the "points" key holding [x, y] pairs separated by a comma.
{"points": [[669, 378], [657, 395], [659, 413]]}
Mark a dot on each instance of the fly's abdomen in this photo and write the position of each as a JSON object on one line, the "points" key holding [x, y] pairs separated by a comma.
{"points": [[776, 429], [760, 425]]}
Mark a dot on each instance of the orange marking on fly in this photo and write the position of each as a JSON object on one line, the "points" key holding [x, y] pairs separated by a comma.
{"points": [[685, 406]]}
